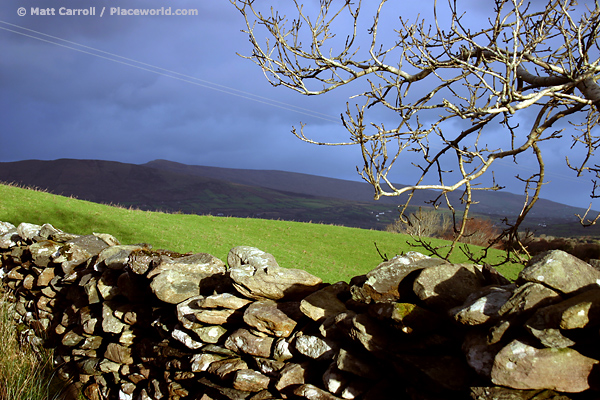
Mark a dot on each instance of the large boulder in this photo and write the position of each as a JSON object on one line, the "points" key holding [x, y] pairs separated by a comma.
{"points": [[446, 286], [482, 306], [78, 250], [257, 275], [177, 279], [521, 366], [325, 303], [560, 271], [265, 316], [383, 283]]}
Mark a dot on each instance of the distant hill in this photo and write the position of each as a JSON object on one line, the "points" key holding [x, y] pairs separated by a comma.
{"points": [[174, 187], [498, 204]]}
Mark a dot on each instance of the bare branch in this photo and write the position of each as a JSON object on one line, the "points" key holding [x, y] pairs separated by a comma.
{"points": [[438, 76]]}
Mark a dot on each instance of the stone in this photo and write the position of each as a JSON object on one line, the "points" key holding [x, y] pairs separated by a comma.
{"points": [[210, 333], [265, 316], [78, 250], [91, 343], [214, 349], [45, 277], [502, 393], [89, 283], [248, 380], [217, 392], [192, 315], [221, 300], [527, 298], [242, 341], [246, 255], [265, 395], [256, 275], [383, 283], [110, 323], [315, 347], [367, 331], [9, 239], [200, 362], [107, 238], [28, 282], [268, 366], [186, 339], [355, 389], [560, 271], [28, 231], [326, 302], [520, 366], [576, 312], [292, 374], [311, 392], [384, 389], [482, 306], [108, 366], [493, 277], [118, 353], [357, 365], [16, 274], [224, 368], [479, 353], [186, 310], [282, 349], [116, 257], [141, 260], [93, 392], [71, 339], [127, 337], [335, 380], [46, 304], [217, 317], [107, 284], [551, 337], [42, 253], [176, 280], [443, 287], [6, 227], [77, 352], [49, 232]]}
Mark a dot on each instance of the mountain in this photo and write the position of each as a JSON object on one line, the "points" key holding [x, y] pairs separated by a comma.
{"points": [[173, 187], [498, 203]]}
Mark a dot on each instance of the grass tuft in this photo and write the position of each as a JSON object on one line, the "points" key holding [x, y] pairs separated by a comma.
{"points": [[25, 373]]}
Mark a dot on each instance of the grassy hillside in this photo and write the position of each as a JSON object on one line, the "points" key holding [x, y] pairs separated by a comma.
{"points": [[192, 189], [331, 252]]}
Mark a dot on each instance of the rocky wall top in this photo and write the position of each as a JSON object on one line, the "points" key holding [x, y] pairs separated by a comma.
{"points": [[132, 322]]}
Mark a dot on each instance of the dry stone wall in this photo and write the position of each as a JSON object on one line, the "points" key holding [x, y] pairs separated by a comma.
{"points": [[131, 322]]}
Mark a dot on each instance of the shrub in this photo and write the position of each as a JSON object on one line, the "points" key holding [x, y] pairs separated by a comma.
{"points": [[422, 223], [478, 231]]}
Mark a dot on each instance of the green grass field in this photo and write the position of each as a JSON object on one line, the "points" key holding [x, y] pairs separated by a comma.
{"points": [[333, 253]]}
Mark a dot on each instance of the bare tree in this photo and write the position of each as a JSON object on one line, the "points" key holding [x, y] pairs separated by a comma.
{"points": [[455, 90]]}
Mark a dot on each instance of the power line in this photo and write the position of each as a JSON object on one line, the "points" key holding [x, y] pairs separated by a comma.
{"points": [[170, 74]]}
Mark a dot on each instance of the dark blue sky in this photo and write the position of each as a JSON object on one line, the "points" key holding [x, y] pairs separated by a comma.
{"points": [[138, 88]]}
